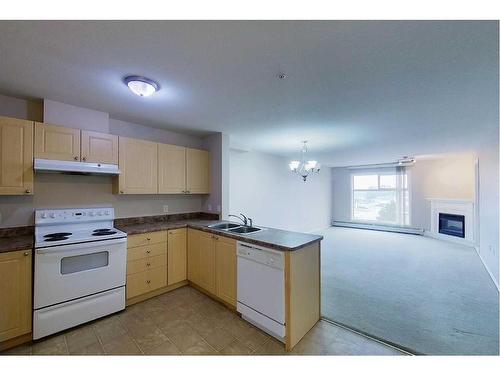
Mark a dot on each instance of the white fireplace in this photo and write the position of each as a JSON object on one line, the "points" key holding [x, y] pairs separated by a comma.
{"points": [[461, 212]]}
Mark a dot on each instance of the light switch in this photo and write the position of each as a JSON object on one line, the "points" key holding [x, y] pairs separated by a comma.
{"points": [[165, 209]]}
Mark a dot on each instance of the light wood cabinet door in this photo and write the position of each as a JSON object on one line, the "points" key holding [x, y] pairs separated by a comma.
{"points": [[138, 166], [225, 257], [57, 142], [177, 255], [193, 255], [171, 169], [197, 171], [15, 294], [207, 262], [99, 147], [16, 156]]}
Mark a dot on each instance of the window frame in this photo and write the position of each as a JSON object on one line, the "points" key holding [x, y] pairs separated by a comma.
{"points": [[396, 190]]}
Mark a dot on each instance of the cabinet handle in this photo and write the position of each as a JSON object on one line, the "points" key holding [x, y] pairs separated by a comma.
{"points": [[121, 191], [26, 253], [75, 157], [148, 281], [148, 251], [149, 239], [148, 264], [28, 191], [84, 158]]}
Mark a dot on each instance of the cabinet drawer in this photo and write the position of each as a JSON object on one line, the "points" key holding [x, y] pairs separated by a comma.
{"points": [[146, 238], [146, 281], [144, 264], [179, 231], [147, 251]]}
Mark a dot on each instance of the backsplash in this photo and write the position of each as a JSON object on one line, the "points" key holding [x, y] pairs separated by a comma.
{"points": [[121, 222]]}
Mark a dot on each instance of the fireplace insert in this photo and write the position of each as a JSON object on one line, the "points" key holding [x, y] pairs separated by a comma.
{"points": [[452, 225]]}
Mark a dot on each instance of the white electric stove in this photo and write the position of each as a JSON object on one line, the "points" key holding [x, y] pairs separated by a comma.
{"points": [[80, 268]]}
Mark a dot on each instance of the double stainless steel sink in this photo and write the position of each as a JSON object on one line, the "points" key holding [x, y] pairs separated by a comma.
{"points": [[235, 228]]}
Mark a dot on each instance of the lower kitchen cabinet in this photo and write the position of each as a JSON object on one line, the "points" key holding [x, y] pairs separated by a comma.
{"points": [[147, 264], [15, 294], [225, 269], [177, 255], [212, 264], [207, 263]]}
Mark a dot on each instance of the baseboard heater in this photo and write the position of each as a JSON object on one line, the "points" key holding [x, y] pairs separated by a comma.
{"points": [[380, 227]]}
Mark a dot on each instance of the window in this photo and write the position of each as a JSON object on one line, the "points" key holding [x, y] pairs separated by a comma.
{"points": [[381, 196]]}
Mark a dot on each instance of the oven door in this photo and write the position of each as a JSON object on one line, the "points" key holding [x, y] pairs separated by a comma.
{"points": [[66, 272]]}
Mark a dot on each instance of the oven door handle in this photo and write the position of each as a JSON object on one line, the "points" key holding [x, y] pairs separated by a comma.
{"points": [[80, 246]]}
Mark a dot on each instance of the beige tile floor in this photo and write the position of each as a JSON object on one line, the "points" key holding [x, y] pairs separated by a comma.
{"points": [[186, 321]]}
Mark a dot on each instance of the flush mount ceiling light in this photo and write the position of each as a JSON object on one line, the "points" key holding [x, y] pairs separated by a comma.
{"points": [[141, 86], [303, 167]]}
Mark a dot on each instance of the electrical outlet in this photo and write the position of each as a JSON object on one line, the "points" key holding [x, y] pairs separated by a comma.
{"points": [[209, 207], [165, 209]]}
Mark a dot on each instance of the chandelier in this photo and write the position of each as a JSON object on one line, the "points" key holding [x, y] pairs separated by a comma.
{"points": [[303, 167]]}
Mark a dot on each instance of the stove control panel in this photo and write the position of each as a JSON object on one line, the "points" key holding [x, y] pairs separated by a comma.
{"points": [[73, 215]]}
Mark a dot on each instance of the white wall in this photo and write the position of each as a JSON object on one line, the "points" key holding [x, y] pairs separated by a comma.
{"points": [[450, 176], [262, 187], [489, 207], [341, 194]]}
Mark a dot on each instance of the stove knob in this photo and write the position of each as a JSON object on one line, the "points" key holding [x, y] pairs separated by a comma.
{"points": [[99, 213], [106, 213], [44, 215], [53, 215], [91, 213]]}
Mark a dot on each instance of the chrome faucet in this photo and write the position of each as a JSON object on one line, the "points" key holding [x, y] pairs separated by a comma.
{"points": [[243, 219]]}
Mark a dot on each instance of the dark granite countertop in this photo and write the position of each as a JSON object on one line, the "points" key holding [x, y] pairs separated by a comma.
{"points": [[18, 238], [139, 228], [268, 237]]}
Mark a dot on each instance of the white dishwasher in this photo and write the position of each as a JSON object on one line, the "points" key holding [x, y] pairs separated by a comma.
{"points": [[261, 288]]}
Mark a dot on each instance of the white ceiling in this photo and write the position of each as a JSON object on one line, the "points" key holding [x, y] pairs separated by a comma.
{"points": [[359, 91]]}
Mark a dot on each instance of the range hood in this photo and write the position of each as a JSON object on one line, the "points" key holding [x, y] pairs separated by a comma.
{"points": [[75, 167]]}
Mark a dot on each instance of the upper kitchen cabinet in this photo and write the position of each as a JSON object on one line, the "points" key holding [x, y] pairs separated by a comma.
{"points": [[138, 160], [171, 169], [57, 142], [197, 171], [99, 147], [16, 156]]}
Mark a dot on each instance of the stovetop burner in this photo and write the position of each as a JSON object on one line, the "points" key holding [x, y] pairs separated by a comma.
{"points": [[103, 232], [59, 234], [52, 239]]}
